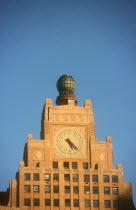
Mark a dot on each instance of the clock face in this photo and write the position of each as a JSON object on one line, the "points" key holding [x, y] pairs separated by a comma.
{"points": [[69, 142]]}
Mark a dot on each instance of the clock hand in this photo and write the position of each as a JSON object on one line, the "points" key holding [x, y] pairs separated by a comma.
{"points": [[74, 146], [70, 144]]}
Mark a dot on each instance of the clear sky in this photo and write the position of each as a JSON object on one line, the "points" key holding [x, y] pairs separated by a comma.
{"points": [[92, 40]]}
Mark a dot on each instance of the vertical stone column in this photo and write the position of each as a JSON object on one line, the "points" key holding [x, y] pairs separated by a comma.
{"points": [[13, 193], [21, 183]]}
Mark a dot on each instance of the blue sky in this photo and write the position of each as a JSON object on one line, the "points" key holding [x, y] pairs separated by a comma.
{"points": [[92, 40]]}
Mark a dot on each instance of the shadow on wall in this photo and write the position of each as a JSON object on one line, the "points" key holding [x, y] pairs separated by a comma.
{"points": [[4, 198], [126, 203]]}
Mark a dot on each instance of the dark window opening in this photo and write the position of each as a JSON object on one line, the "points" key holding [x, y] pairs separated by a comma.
{"points": [[67, 177], [115, 191], [95, 190], [27, 202], [27, 188], [114, 178], [67, 189], [55, 164], [106, 190], [67, 202], [36, 177], [47, 202], [106, 178], [56, 202], [56, 189], [87, 203], [27, 176], [38, 164], [107, 204], [75, 177], [86, 178], [85, 165], [47, 189], [66, 165], [36, 188], [36, 201], [87, 190], [116, 204], [75, 189], [74, 165], [76, 203], [95, 203], [96, 166], [95, 178], [56, 177]]}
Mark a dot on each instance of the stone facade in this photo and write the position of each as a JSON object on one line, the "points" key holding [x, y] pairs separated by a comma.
{"points": [[68, 168]]}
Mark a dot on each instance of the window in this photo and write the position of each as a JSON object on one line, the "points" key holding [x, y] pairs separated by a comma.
{"points": [[27, 177], [67, 189], [36, 188], [75, 189], [36, 177], [27, 202], [107, 204], [74, 165], [67, 202], [106, 190], [96, 167], [106, 178], [87, 190], [87, 203], [114, 178], [47, 202], [56, 189], [47, 177], [75, 177], [116, 204], [47, 189], [55, 164], [36, 201], [76, 202], [86, 178], [27, 188], [67, 177], [95, 190], [85, 165], [37, 164], [56, 177], [56, 202], [115, 191], [66, 165], [95, 203], [95, 178]]}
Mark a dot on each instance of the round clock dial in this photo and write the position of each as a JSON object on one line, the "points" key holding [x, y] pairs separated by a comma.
{"points": [[69, 142]]}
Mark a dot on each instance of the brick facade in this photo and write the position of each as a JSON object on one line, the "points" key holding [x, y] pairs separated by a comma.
{"points": [[68, 168]]}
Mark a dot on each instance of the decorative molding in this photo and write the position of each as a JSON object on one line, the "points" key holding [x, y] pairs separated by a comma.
{"points": [[38, 155], [102, 156], [70, 117]]}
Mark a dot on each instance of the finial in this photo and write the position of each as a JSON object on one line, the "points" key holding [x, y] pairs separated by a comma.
{"points": [[66, 86]]}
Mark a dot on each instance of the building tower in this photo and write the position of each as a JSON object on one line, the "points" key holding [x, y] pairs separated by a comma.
{"points": [[68, 168]]}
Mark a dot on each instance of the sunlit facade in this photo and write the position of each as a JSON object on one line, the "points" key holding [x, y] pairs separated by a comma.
{"points": [[67, 168]]}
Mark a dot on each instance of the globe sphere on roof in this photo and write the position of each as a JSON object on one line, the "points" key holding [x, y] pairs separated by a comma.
{"points": [[66, 84]]}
